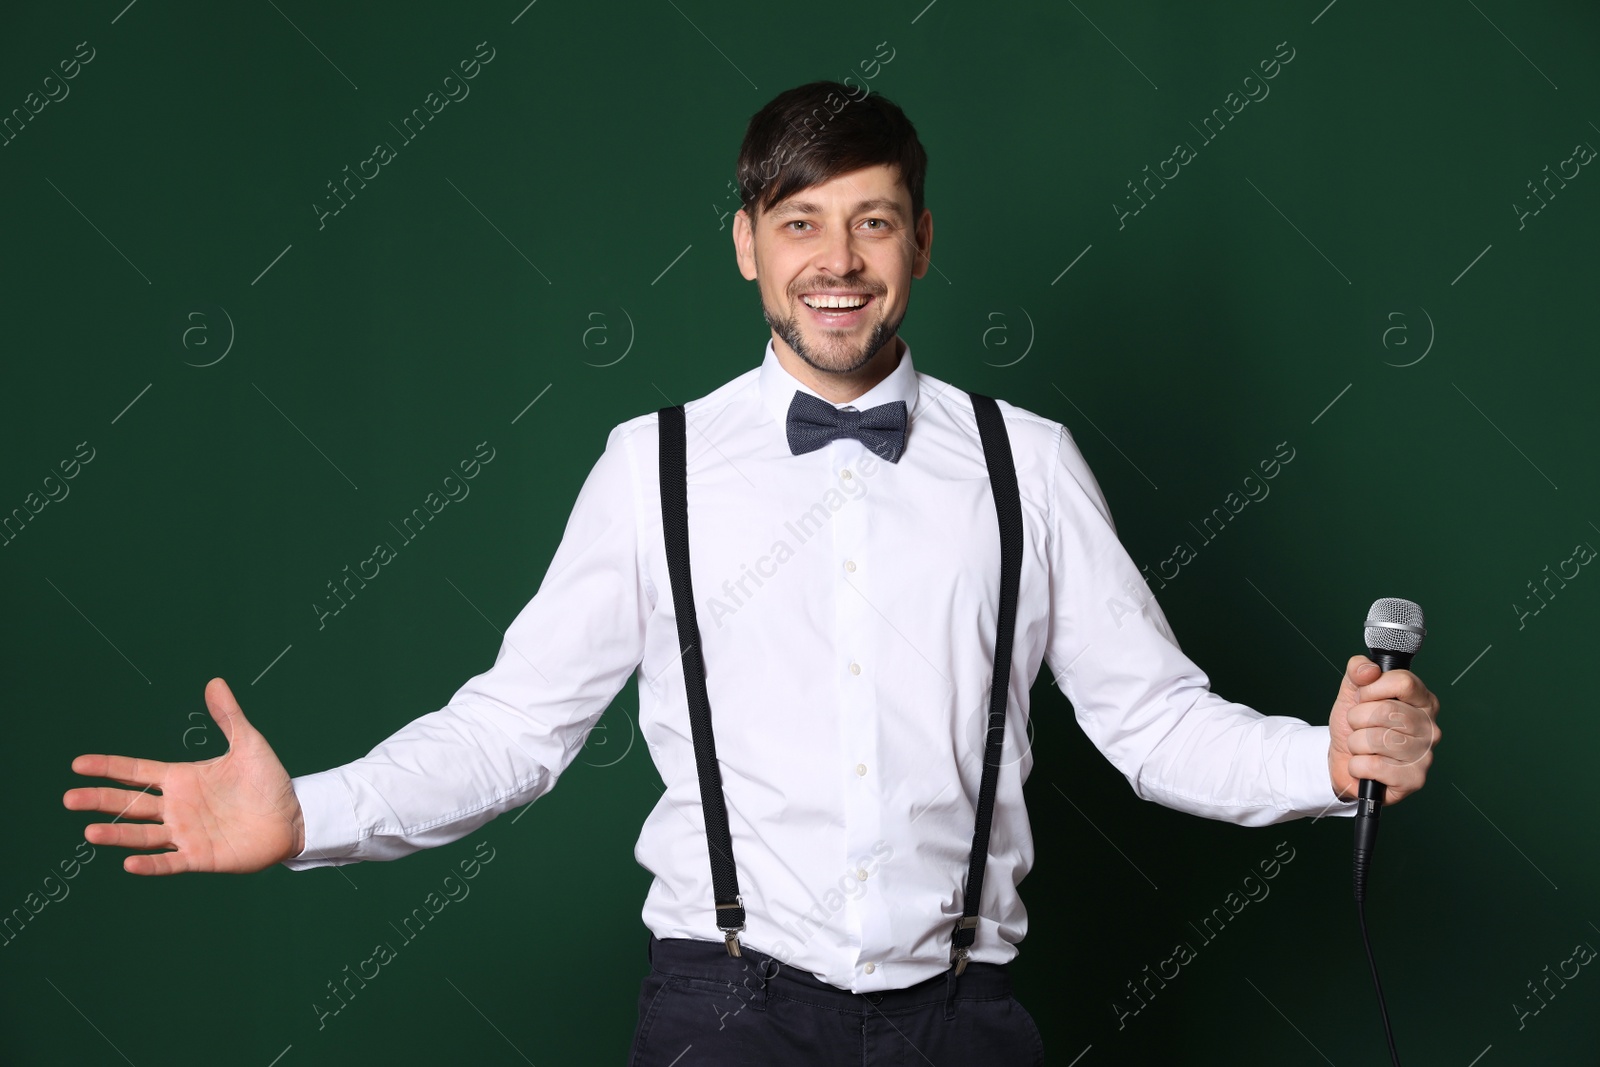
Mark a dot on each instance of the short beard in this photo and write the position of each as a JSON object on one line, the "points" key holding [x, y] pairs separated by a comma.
{"points": [[789, 330]]}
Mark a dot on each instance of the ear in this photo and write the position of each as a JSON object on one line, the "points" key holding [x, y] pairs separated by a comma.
{"points": [[924, 236], [744, 247]]}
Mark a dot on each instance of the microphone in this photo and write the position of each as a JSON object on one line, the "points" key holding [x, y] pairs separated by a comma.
{"points": [[1393, 633]]}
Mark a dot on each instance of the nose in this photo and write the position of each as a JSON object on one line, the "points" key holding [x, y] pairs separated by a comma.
{"points": [[839, 254]]}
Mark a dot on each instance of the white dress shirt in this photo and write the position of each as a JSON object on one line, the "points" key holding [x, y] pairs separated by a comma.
{"points": [[847, 612]]}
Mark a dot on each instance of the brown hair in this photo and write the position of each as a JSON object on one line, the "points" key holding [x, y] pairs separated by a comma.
{"points": [[812, 133]]}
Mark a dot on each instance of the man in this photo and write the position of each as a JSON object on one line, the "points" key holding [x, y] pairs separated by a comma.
{"points": [[844, 625]]}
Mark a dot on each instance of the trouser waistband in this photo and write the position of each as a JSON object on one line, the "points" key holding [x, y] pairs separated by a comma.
{"points": [[754, 974]]}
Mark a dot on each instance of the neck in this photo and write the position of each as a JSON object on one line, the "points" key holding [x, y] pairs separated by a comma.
{"points": [[841, 387]]}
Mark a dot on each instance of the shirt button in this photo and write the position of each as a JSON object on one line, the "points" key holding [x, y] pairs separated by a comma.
{"points": [[861, 874], [855, 668], [861, 768], [845, 474], [869, 968], [849, 564]]}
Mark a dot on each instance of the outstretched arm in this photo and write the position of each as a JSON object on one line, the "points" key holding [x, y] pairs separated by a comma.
{"points": [[502, 741]]}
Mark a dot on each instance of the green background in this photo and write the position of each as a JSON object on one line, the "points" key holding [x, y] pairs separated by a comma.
{"points": [[584, 184]]}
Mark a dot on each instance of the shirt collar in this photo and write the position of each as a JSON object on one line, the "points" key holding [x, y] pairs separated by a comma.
{"points": [[778, 387]]}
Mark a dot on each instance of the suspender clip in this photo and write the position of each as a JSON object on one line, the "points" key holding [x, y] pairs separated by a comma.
{"points": [[731, 936], [959, 956]]}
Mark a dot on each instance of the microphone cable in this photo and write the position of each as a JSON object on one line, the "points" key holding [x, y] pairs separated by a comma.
{"points": [[1383, 1009]]}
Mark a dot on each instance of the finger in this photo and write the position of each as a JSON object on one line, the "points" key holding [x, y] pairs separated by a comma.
{"points": [[1400, 778], [1398, 684], [123, 803], [1391, 744], [128, 834], [128, 770], [1393, 713], [1396, 717], [156, 863]]}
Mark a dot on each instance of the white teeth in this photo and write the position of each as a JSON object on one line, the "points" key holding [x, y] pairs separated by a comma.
{"points": [[834, 301]]}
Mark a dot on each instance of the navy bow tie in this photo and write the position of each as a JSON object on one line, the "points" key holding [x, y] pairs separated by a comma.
{"points": [[813, 422]]}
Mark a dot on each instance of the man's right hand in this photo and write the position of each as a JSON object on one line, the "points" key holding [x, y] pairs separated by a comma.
{"points": [[236, 813]]}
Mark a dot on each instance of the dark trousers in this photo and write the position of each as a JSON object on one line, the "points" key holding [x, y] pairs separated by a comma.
{"points": [[700, 1007]]}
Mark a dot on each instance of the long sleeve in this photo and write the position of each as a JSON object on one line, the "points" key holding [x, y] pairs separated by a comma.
{"points": [[508, 733], [1146, 706]]}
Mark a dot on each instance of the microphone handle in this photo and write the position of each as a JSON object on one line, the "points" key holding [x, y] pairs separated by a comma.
{"points": [[1370, 793]]}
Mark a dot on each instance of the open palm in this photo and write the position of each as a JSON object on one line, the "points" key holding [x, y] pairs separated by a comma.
{"points": [[235, 813]]}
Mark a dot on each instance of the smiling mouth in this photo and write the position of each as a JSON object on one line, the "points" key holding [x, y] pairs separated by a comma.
{"points": [[838, 308]]}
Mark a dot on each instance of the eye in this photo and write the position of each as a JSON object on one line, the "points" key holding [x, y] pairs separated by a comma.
{"points": [[881, 222], [798, 222]]}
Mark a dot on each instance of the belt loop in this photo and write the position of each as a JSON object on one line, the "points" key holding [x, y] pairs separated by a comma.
{"points": [[951, 980]]}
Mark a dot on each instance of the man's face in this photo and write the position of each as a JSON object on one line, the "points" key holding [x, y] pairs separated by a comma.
{"points": [[852, 238]]}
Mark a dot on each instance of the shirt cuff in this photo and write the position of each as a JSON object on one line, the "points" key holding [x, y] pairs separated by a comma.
{"points": [[1309, 785], [330, 821]]}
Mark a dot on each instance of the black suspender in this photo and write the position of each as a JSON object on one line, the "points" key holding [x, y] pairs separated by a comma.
{"points": [[675, 527], [1008, 507]]}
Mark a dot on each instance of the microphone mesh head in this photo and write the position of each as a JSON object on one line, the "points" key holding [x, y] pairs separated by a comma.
{"points": [[1395, 625]]}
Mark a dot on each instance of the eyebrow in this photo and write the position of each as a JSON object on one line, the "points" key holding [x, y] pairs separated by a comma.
{"points": [[805, 207]]}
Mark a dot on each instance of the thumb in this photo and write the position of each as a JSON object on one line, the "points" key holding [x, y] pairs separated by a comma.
{"points": [[225, 710], [1362, 671]]}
